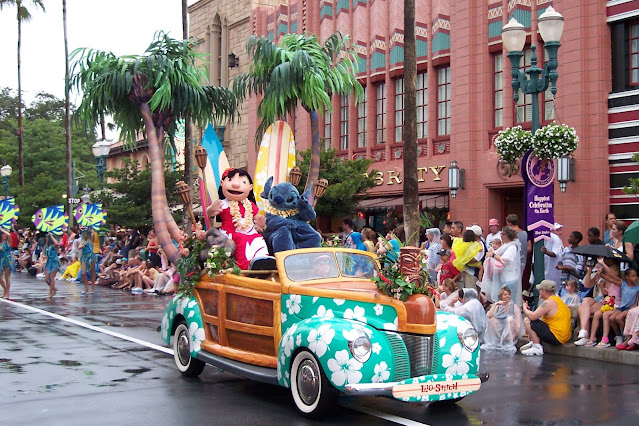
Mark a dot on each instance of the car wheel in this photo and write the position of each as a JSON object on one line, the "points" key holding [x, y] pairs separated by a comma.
{"points": [[187, 365], [312, 392]]}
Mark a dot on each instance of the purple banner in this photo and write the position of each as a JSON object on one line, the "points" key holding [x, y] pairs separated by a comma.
{"points": [[539, 176]]}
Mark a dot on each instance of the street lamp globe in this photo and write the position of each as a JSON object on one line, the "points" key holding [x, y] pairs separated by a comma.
{"points": [[513, 35], [6, 170], [551, 25], [101, 149]]}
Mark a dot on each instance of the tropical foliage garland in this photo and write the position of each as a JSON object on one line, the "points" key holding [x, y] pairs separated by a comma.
{"points": [[393, 283]]}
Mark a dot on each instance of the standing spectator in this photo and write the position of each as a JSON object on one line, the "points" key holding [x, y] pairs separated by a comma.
{"points": [[465, 249], [550, 322], [526, 246], [347, 230], [369, 238], [551, 251], [447, 227], [446, 270], [493, 231], [356, 237], [15, 240], [510, 275], [571, 265], [434, 246], [593, 236], [152, 249], [616, 235], [457, 229], [611, 218], [5, 262]]}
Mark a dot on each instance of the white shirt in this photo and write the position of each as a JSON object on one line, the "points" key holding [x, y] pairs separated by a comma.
{"points": [[491, 237]]}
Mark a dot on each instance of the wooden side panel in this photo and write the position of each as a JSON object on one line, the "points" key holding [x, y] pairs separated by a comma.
{"points": [[249, 310], [209, 301], [253, 342], [250, 358]]}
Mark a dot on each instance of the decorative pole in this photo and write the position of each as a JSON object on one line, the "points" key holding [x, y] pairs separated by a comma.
{"points": [[318, 190], [201, 157], [185, 194]]}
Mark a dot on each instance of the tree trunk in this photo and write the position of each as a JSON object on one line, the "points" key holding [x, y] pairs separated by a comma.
{"points": [[172, 227], [158, 190], [67, 114], [188, 174], [20, 129], [411, 190], [313, 169]]}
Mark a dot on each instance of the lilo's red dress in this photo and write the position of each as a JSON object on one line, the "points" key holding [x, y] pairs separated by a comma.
{"points": [[249, 244]]}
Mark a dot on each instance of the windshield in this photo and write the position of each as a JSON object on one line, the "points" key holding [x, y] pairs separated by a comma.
{"points": [[322, 265]]}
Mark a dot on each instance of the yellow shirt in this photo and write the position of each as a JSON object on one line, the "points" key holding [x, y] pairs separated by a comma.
{"points": [[96, 243], [72, 270], [559, 323]]}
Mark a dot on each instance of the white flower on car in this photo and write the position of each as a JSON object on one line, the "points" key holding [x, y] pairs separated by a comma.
{"points": [[379, 309], [289, 342], [339, 302], [196, 336], [376, 348], [315, 299], [164, 328], [181, 305], [283, 316], [298, 341], [358, 314], [344, 369], [294, 303], [322, 312], [381, 372], [191, 304], [456, 362], [447, 320], [320, 338], [391, 325], [442, 342]]}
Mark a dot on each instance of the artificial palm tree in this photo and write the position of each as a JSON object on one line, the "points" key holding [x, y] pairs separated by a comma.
{"points": [[149, 93], [23, 15], [298, 70]]}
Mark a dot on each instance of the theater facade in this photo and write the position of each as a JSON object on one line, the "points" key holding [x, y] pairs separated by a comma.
{"points": [[464, 97]]}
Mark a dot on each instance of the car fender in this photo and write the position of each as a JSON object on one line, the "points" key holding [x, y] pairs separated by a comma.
{"points": [[183, 308], [327, 339], [450, 355]]}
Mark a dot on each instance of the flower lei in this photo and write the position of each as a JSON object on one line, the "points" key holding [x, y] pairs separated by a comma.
{"points": [[242, 223]]}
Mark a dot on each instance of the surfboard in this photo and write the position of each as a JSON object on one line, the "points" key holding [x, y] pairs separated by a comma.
{"points": [[276, 158], [216, 164]]}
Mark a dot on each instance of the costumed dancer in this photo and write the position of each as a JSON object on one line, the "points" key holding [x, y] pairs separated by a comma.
{"points": [[239, 215], [87, 260], [52, 264], [5, 262]]}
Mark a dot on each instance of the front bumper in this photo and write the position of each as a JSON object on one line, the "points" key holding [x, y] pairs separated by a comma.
{"points": [[437, 387]]}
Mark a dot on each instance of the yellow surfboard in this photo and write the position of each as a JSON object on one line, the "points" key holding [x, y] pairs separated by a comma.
{"points": [[276, 158]]}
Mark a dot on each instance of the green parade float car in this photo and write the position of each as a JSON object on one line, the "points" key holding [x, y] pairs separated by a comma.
{"points": [[319, 326]]}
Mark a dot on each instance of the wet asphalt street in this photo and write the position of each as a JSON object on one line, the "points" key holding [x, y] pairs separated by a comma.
{"points": [[57, 372]]}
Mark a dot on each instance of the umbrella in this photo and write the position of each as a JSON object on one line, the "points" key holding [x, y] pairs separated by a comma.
{"points": [[600, 250], [632, 233]]}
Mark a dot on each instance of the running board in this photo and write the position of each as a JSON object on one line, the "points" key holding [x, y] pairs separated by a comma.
{"points": [[253, 372]]}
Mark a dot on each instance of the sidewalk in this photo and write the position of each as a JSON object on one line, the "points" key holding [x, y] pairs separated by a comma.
{"points": [[610, 354]]}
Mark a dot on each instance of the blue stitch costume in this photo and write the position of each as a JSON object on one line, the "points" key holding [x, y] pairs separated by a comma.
{"points": [[287, 217]]}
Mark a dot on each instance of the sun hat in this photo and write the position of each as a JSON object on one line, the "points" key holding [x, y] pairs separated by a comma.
{"points": [[493, 222]]}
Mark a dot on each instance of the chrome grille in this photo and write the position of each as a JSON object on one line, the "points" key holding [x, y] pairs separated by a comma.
{"points": [[420, 352]]}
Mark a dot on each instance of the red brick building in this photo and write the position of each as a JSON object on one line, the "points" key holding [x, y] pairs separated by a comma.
{"points": [[465, 98]]}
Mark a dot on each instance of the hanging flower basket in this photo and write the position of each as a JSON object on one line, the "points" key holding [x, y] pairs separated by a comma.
{"points": [[554, 141], [512, 143]]}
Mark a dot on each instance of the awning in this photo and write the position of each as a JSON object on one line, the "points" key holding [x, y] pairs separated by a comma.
{"points": [[387, 203], [439, 200]]}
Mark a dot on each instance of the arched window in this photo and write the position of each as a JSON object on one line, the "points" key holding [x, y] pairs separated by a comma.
{"points": [[218, 51]]}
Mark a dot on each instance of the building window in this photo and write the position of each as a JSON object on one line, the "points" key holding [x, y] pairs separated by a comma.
{"points": [[399, 109], [327, 129], [380, 113], [524, 104], [498, 95], [422, 105], [634, 53], [343, 122], [361, 122], [443, 101]]}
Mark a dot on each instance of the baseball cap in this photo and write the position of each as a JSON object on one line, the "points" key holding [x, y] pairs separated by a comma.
{"points": [[475, 228], [547, 285], [119, 261], [444, 252], [493, 222], [558, 225]]}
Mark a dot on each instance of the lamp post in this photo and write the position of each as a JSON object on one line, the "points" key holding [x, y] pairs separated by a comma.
{"points": [[551, 27], [5, 171], [101, 152]]}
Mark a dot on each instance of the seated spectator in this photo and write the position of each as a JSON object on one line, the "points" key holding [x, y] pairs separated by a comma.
{"points": [[605, 280], [72, 270], [388, 247], [631, 327], [571, 298], [446, 293], [504, 324], [162, 281], [616, 317], [550, 322], [470, 308]]}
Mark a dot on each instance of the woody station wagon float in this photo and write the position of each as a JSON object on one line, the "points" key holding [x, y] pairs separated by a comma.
{"points": [[320, 325]]}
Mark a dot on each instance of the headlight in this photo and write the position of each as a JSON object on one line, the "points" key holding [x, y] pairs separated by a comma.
{"points": [[360, 347], [468, 337]]}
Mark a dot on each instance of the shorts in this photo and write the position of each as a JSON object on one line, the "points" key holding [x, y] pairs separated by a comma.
{"points": [[468, 280], [543, 331]]}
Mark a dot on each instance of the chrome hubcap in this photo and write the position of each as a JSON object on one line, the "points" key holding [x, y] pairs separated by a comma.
{"points": [[308, 382], [183, 348]]}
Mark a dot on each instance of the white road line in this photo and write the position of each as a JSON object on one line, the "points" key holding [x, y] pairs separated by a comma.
{"points": [[385, 416], [369, 411], [92, 327]]}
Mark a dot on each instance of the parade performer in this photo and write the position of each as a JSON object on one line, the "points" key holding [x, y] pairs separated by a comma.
{"points": [[5, 262], [52, 265], [239, 215], [87, 260]]}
